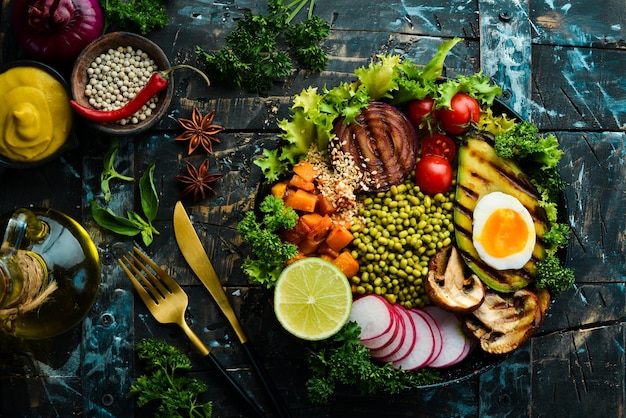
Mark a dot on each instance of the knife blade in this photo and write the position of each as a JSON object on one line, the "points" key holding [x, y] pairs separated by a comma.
{"points": [[193, 251]]}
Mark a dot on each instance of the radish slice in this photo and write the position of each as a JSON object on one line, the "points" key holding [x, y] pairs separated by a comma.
{"points": [[404, 341], [374, 315], [424, 345], [469, 348], [387, 338], [436, 333], [455, 342]]}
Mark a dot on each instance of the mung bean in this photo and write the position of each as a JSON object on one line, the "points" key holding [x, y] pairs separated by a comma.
{"points": [[403, 228]]}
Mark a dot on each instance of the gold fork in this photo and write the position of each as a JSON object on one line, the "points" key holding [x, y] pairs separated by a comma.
{"points": [[167, 302]]}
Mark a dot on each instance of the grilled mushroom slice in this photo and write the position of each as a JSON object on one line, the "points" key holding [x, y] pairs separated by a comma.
{"points": [[545, 299], [382, 143], [448, 287], [503, 322]]}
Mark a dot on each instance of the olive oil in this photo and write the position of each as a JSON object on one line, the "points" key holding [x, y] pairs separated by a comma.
{"points": [[70, 260]]}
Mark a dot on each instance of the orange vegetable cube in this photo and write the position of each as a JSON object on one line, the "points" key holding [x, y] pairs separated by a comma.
{"points": [[309, 220], [324, 249], [292, 236], [309, 246], [301, 183], [306, 170], [347, 264], [325, 206], [339, 237], [279, 190], [301, 200], [320, 230]]}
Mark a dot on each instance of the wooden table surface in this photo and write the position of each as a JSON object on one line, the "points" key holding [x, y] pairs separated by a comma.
{"points": [[561, 65]]}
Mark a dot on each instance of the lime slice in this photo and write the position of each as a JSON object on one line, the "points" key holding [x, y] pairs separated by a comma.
{"points": [[312, 299]]}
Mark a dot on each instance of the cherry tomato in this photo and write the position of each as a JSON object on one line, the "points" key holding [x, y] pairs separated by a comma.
{"points": [[433, 174], [418, 108], [464, 109], [440, 145]]}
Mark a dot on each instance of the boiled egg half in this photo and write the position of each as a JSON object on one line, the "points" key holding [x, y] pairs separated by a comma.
{"points": [[503, 231]]}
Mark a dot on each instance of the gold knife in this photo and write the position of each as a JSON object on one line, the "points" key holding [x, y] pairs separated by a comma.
{"points": [[193, 251]]}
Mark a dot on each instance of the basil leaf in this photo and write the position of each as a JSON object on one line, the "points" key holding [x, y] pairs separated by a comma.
{"points": [[146, 236], [109, 172], [147, 190], [146, 229], [109, 220], [137, 220]]}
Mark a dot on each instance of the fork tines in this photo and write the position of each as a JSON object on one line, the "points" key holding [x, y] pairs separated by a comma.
{"points": [[144, 278]]}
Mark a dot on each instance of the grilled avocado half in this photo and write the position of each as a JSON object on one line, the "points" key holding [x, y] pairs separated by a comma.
{"points": [[481, 171]]}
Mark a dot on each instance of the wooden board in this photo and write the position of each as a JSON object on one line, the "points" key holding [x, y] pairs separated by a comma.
{"points": [[560, 65]]}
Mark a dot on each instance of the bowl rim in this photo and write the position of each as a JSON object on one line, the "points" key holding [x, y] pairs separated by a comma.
{"points": [[71, 141], [94, 49]]}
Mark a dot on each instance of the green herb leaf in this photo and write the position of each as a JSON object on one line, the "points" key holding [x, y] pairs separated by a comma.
{"points": [[343, 360], [134, 223], [148, 193], [379, 77], [109, 172], [174, 394], [252, 57], [262, 235], [140, 16], [106, 218]]}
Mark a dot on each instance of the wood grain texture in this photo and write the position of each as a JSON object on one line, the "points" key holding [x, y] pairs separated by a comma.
{"points": [[506, 51], [583, 24], [593, 170], [504, 390], [561, 65], [578, 89], [585, 373]]}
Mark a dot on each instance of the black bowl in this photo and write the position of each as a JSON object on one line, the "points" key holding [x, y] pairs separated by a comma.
{"points": [[478, 361]]}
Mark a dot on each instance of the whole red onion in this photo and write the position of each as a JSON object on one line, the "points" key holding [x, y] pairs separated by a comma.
{"points": [[56, 30]]}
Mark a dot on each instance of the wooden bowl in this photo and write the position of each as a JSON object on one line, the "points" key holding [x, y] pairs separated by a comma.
{"points": [[111, 41], [70, 141]]}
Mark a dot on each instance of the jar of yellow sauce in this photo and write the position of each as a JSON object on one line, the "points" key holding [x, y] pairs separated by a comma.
{"points": [[35, 115]]}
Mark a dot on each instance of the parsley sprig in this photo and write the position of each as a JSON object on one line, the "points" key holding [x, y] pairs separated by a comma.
{"points": [[343, 360], [140, 16], [173, 393], [270, 252], [252, 57]]}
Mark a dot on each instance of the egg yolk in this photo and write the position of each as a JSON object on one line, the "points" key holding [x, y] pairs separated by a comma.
{"points": [[505, 233]]}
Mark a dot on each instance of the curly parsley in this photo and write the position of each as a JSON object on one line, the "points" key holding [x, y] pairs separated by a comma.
{"points": [[262, 235], [343, 360], [140, 16], [252, 57], [174, 394]]}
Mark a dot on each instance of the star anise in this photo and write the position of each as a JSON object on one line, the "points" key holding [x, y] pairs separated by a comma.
{"points": [[198, 180], [200, 130]]}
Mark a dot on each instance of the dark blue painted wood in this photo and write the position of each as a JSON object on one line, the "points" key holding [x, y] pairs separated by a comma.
{"points": [[582, 24], [505, 50], [561, 65]]}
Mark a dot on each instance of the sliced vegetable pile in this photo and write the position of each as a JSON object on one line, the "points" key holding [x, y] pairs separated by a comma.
{"points": [[447, 215]]}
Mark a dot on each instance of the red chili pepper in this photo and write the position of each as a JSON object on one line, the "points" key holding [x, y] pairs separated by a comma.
{"points": [[157, 82]]}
